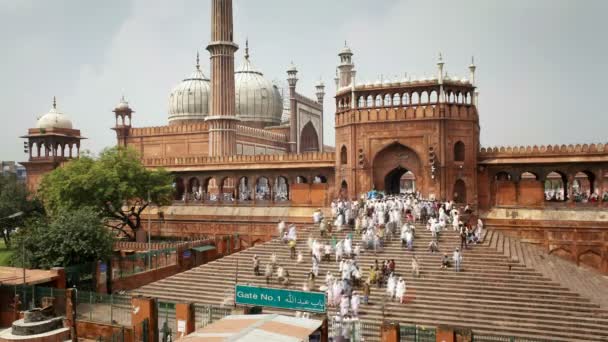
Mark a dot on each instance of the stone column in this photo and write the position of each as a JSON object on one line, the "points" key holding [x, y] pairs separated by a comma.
{"points": [[444, 334], [144, 308], [389, 332], [600, 186], [70, 312], [569, 190], [184, 315], [61, 281]]}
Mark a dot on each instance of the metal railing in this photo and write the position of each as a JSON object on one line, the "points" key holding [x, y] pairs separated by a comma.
{"points": [[103, 308], [207, 314], [417, 334], [142, 262], [499, 338]]}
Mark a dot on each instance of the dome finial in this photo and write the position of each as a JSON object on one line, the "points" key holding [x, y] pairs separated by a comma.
{"points": [[247, 48], [198, 65], [54, 103]]}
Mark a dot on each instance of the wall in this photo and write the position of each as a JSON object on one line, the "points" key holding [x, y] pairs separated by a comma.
{"points": [[93, 330], [580, 236]]}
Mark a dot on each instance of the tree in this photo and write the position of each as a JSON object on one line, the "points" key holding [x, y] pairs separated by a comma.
{"points": [[70, 238], [116, 183], [13, 200]]}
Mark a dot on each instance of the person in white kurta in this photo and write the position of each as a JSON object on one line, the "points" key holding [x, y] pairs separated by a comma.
{"points": [[354, 303], [344, 305], [339, 250], [300, 257], [348, 246], [401, 290], [390, 286], [281, 227], [455, 222], [337, 288], [292, 233]]}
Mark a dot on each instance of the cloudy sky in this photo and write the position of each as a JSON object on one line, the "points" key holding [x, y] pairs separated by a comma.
{"points": [[542, 64]]}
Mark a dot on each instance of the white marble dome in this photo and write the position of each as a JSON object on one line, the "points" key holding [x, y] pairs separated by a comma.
{"points": [[54, 119], [189, 100], [258, 100]]}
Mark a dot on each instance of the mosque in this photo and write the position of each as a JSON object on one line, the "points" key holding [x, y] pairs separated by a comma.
{"points": [[246, 151]]}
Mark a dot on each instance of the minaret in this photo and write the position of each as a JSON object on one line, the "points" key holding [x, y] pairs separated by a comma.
{"points": [[222, 119], [345, 67], [292, 80], [320, 92]]}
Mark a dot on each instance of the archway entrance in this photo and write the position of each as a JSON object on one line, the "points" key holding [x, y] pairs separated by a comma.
{"points": [[391, 164], [399, 180], [309, 140], [460, 192]]}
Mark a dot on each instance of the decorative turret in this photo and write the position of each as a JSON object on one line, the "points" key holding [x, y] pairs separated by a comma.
{"points": [[345, 67], [50, 143], [122, 113], [472, 69]]}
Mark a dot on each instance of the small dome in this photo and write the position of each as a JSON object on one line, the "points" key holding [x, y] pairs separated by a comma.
{"points": [[345, 50], [189, 100], [257, 99], [54, 119], [122, 105]]}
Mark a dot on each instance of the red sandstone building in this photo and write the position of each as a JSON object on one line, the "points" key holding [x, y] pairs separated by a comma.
{"points": [[242, 159]]}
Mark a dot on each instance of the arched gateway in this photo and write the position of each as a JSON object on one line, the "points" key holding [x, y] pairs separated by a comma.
{"points": [[394, 168]]}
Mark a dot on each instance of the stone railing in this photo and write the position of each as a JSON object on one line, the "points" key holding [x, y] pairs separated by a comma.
{"points": [[143, 246], [176, 129], [242, 159], [260, 133], [543, 150]]}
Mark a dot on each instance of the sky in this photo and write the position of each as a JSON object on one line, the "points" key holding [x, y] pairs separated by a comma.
{"points": [[542, 65]]}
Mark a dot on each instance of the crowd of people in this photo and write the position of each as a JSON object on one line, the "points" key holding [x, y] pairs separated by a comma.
{"points": [[376, 220]]}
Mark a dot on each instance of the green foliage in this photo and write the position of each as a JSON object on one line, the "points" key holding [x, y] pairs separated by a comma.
{"points": [[14, 199], [116, 183], [70, 238], [5, 255]]}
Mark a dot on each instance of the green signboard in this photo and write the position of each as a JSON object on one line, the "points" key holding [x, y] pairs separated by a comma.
{"points": [[280, 298]]}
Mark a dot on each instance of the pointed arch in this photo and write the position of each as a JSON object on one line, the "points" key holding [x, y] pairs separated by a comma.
{"points": [[309, 139]]}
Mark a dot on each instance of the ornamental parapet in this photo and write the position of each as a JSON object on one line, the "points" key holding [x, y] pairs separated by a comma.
{"points": [[543, 150], [260, 133], [321, 159], [407, 112], [171, 129]]}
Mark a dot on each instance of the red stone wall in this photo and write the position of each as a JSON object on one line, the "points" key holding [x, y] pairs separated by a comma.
{"points": [[582, 242], [531, 193], [93, 330], [506, 193]]}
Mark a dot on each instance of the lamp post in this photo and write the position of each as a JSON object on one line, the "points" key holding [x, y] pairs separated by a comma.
{"points": [[149, 233]]}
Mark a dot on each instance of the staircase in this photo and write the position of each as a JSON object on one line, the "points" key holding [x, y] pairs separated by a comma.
{"points": [[493, 295]]}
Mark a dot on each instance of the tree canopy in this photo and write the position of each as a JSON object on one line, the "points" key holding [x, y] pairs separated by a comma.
{"points": [[13, 200], [70, 238], [116, 184]]}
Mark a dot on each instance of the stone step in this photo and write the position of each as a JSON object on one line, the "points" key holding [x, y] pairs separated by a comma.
{"points": [[495, 293]]}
